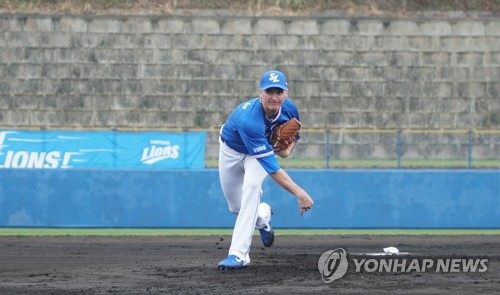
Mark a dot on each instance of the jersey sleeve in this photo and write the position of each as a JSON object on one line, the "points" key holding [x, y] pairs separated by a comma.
{"points": [[254, 140], [258, 146], [269, 163]]}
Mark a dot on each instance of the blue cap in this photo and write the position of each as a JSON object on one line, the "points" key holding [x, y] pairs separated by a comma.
{"points": [[273, 79]]}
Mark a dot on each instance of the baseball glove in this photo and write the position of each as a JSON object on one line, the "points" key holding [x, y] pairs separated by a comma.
{"points": [[284, 134]]}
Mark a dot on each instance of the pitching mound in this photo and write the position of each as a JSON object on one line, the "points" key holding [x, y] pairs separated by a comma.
{"points": [[188, 264]]}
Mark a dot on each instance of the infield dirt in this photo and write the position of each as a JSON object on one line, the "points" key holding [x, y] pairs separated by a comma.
{"points": [[187, 265]]}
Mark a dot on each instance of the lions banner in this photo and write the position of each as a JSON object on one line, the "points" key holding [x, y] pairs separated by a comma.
{"points": [[101, 149]]}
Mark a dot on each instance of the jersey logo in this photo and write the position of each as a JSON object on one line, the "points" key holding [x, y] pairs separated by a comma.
{"points": [[245, 106], [273, 77], [259, 149]]}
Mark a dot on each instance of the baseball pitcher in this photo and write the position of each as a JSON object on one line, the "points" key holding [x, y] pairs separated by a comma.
{"points": [[255, 133]]}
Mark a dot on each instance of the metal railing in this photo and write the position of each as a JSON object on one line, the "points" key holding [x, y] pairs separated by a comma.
{"points": [[404, 140], [389, 148], [368, 148]]}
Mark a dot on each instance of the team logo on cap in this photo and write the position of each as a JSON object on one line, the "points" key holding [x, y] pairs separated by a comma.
{"points": [[274, 78]]}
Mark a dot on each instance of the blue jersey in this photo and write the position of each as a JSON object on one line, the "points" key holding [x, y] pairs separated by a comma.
{"points": [[247, 130]]}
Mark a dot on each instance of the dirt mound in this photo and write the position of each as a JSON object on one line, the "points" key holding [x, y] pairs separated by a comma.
{"points": [[188, 265]]}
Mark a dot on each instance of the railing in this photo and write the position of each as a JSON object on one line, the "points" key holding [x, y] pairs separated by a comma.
{"points": [[391, 148], [448, 148], [369, 148]]}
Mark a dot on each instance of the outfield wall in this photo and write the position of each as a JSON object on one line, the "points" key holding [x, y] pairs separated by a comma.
{"points": [[193, 198]]}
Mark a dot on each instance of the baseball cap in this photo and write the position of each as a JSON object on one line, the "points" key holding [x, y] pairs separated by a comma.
{"points": [[272, 79]]}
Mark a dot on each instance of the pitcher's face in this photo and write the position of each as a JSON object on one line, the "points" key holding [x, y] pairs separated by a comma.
{"points": [[272, 99]]}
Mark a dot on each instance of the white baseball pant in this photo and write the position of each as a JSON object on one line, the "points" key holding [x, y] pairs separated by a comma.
{"points": [[241, 178]]}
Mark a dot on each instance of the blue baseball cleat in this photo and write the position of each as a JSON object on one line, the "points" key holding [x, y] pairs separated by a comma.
{"points": [[267, 235], [231, 262]]}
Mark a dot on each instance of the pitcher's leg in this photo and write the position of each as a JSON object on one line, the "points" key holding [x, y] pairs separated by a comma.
{"points": [[247, 217], [231, 176], [264, 216]]}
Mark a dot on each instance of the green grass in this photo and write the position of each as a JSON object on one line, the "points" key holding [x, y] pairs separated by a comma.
{"points": [[111, 232], [414, 164], [375, 164], [391, 232], [227, 232]]}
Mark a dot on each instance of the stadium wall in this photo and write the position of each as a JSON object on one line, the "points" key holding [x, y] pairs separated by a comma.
{"points": [[193, 199], [105, 72]]}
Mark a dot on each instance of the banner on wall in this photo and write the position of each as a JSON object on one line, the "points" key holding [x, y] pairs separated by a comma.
{"points": [[101, 149]]}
